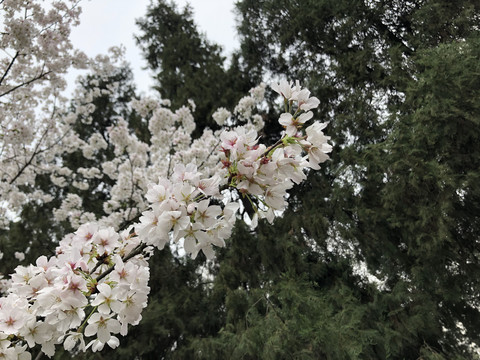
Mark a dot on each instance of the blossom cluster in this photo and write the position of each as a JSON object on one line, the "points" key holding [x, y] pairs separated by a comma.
{"points": [[88, 290], [264, 174], [182, 209], [315, 143]]}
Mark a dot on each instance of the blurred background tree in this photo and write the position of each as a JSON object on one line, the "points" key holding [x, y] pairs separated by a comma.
{"points": [[187, 66]]}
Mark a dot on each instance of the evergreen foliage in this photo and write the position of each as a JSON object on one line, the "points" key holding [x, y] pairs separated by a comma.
{"points": [[400, 89], [188, 66]]}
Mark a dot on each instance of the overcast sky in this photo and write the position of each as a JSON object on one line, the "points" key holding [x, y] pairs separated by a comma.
{"points": [[106, 23]]}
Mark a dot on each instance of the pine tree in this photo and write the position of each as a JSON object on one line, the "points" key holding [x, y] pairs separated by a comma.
{"points": [[188, 66], [430, 197], [399, 192]]}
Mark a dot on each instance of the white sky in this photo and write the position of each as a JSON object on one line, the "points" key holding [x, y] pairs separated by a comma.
{"points": [[106, 23]]}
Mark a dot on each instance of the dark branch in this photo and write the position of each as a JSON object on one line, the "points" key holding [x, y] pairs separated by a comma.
{"points": [[9, 67]]}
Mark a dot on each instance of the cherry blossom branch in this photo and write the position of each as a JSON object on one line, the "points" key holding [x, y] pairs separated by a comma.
{"points": [[63, 17], [9, 67], [36, 151], [34, 154], [52, 297], [40, 76], [137, 251], [209, 155]]}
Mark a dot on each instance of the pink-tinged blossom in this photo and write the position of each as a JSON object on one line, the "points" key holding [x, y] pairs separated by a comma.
{"points": [[23, 275], [35, 332], [208, 187], [45, 263], [106, 240], [316, 137], [158, 193], [174, 220], [72, 259], [140, 285], [13, 314], [13, 321], [253, 153], [316, 156], [230, 141], [317, 145], [74, 286], [184, 193], [195, 232], [182, 172], [236, 143], [150, 231], [248, 181], [30, 289], [275, 195], [67, 317], [288, 167], [249, 186], [131, 313], [205, 245], [123, 273], [86, 232]]}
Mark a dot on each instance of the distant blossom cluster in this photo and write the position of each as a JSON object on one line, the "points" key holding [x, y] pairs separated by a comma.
{"points": [[138, 164], [36, 50]]}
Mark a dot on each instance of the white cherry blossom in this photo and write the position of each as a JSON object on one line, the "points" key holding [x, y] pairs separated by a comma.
{"points": [[102, 326]]}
